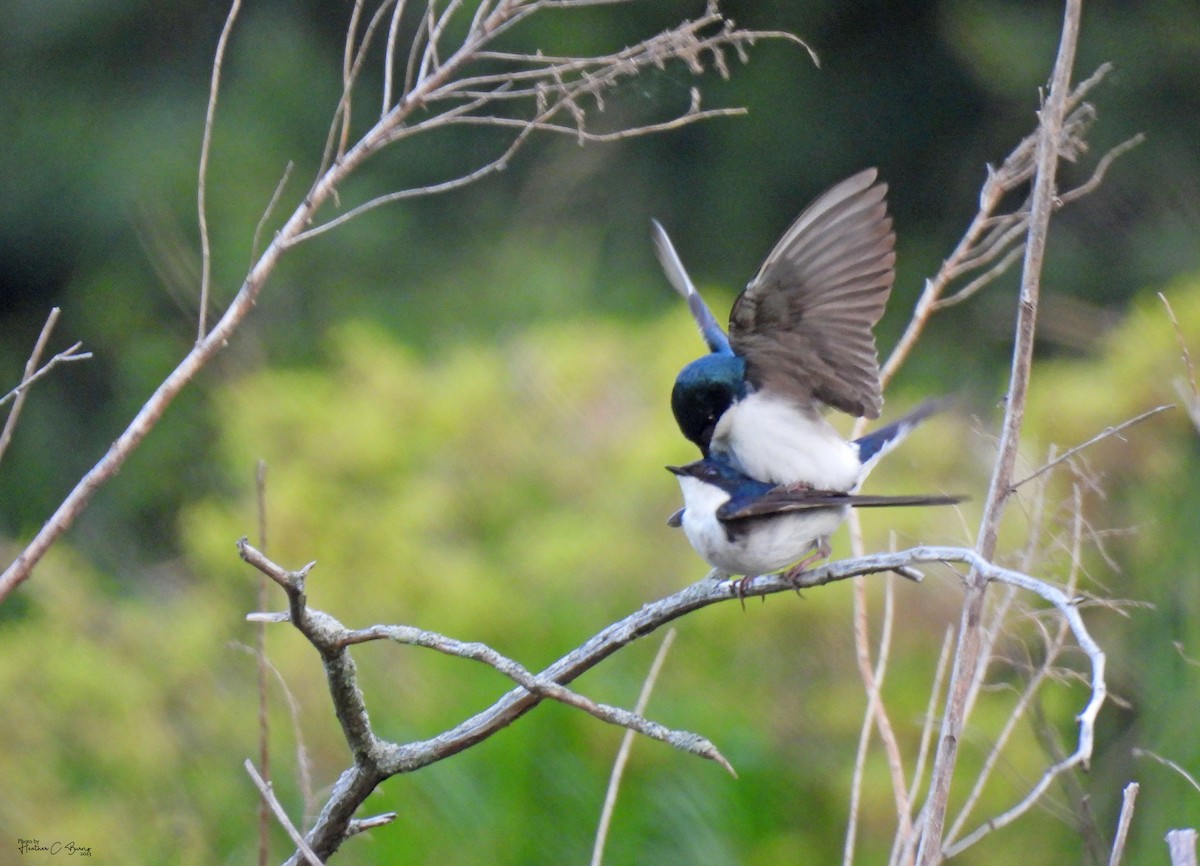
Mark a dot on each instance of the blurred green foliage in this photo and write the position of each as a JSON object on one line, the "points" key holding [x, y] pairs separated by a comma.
{"points": [[461, 402]]}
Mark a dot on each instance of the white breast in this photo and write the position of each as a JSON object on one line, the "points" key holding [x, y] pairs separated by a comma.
{"points": [[775, 441]]}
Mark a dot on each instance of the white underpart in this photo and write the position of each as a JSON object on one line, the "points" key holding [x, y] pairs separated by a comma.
{"points": [[766, 547], [773, 440]]}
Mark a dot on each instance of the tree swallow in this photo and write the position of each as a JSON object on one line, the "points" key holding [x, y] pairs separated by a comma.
{"points": [[744, 526], [800, 340], [748, 527]]}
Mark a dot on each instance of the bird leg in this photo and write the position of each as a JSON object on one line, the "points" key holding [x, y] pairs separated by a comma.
{"points": [[821, 550]]}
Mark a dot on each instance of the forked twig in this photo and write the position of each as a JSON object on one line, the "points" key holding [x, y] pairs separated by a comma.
{"points": [[377, 759], [1103, 434], [33, 373]]}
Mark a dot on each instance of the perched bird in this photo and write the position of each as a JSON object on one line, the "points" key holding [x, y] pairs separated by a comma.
{"points": [[744, 526], [800, 340]]}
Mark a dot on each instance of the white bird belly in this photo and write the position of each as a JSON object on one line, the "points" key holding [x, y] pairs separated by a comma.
{"points": [[764, 545], [772, 440]]}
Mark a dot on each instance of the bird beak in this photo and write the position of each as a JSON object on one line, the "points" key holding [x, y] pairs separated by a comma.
{"points": [[677, 470]]}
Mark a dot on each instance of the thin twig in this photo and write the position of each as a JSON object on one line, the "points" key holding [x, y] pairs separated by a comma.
{"points": [[1054, 646], [303, 762], [1167, 762], [1101, 170], [1128, 798], [260, 657], [683, 740], [618, 770], [264, 788], [32, 373], [347, 77], [1102, 435], [262, 220], [202, 180], [389, 58]]}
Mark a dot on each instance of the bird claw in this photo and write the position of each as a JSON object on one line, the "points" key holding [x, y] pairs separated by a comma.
{"points": [[739, 588]]}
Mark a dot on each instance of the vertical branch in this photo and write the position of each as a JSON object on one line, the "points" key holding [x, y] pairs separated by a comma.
{"points": [[260, 655], [202, 180], [389, 59], [967, 658], [347, 80]]}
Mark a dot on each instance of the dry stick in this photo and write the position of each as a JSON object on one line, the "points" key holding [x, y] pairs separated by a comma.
{"points": [[682, 740], [967, 658], [202, 180], [270, 208], [1016, 715], [618, 770], [1181, 844], [377, 759], [1167, 762], [32, 374], [268, 796], [903, 849], [1189, 392], [288, 235], [389, 57], [347, 81], [260, 656], [303, 763], [1103, 434], [873, 680]]}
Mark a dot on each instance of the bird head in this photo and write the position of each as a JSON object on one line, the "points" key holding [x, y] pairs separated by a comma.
{"points": [[716, 472], [703, 390]]}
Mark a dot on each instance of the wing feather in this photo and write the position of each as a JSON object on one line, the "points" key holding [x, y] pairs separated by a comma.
{"points": [[804, 323]]}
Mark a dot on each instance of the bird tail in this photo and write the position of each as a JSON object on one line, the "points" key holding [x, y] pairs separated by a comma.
{"points": [[710, 329], [858, 500], [877, 443]]}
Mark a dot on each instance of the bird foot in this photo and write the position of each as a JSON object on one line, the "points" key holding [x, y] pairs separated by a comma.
{"points": [[739, 588], [793, 574]]}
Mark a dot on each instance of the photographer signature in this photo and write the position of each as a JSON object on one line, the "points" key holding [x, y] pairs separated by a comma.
{"points": [[28, 846]]}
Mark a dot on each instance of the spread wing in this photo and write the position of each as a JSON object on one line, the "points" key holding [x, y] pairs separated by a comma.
{"points": [[678, 277], [804, 323], [784, 499]]}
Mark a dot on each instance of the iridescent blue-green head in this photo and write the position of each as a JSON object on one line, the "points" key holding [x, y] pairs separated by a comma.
{"points": [[703, 390]]}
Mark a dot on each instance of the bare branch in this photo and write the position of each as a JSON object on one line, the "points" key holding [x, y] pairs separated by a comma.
{"points": [[262, 221], [32, 373], [618, 770], [535, 684], [687, 42], [1104, 434], [378, 759], [1128, 798], [389, 59], [202, 180], [1101, 169], [1167, 762], [968, 658], [271, 800], [1181, 844]]}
